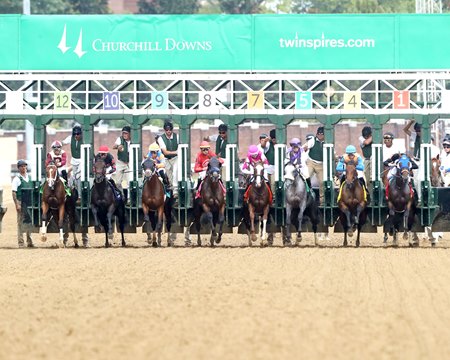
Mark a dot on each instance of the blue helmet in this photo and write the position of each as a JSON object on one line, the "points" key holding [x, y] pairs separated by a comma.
{"points": [[350, 149]]}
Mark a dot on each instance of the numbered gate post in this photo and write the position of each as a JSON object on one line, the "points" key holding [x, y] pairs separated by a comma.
{"points": [[133, 189], [232, 185], [280, 194], [378, 197], [328, 185], [184, 184], [428, 196], [85, 195]]}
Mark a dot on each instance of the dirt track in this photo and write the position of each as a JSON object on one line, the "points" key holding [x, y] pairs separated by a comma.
{"points": [[229, 302]]}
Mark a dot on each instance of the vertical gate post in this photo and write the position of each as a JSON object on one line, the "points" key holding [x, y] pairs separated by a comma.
{"points": [[85, 184], [280, 200], [232, 185], [133, 188]]}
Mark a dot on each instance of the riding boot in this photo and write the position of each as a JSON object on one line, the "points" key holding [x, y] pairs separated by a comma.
{"points": [[64, 175], [117, 193], [125, 196], [166, 181]]}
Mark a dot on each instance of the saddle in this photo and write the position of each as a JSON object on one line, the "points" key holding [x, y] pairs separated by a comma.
{"points": [[411, 189], [199, 189], [247, 192], [363, 187]]}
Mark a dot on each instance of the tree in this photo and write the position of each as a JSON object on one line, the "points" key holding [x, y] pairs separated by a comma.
{"points": [[353, 6], [241, 6], [90, 7], [168, 6]]}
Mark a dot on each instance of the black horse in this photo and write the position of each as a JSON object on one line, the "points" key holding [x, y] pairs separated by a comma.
{"points": [[209, 207], [104, 204], [402, 206]]}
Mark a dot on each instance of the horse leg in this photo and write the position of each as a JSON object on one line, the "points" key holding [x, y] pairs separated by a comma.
{"points": [[109, 230], [45, 208], [287, 238], [95, 215], [209, 218], [221, 220], [60, 225], [345, 237], [348, 228], [300, 220], [251, 212], [159, 224], [264, 226]]}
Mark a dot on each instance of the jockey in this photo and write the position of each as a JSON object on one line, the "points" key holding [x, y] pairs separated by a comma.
{"points": [[59, 158], [155, 153], [445, 161], [295, 156], [352, 156], [396, 163], [254, 155], [103, 154], [202, 161]]}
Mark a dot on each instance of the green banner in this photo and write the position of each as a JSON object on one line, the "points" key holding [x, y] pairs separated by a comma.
{"points": [[221, 43]]}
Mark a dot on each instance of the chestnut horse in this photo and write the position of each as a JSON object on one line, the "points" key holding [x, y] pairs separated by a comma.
{"points": [[53, 202], [352, 203], [153, 203], [257, 202]]}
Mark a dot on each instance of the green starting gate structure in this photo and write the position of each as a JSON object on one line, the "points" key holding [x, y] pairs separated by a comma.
{"points": [[279, 99]]}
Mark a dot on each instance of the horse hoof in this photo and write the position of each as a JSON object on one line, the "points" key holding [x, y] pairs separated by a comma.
{"points": [[154, 244], [218, 240], [187, 244], [169, 243], [76, 246], [43, 238], [199, 243], [254, 237]]}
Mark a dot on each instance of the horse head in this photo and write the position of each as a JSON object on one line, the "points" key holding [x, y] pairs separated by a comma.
{"points": [[99, 171], [213, 170], [258, 174], [149, 167], [403, 166], [291, 172], [51, 174], [350, 174]]}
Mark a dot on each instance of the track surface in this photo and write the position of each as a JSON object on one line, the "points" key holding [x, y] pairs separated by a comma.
{"points": [[324, 302]]}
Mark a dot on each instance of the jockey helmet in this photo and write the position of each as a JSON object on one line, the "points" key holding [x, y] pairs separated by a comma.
{"points": [[204, 145], [103, 149], [56, 144], [76, 130], [223, 127], [350, 149], [21, 162], [154, 147], [446, 141], [252, 150], [366, 131], [295, 142], [168, 125]]}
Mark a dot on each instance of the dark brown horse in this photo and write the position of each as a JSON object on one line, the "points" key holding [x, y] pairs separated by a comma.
{"points": [[402, 206], [257, 202], [209, 208], [104, 204], [153, 201], [436, 176], [53, 202], [352, 203]]}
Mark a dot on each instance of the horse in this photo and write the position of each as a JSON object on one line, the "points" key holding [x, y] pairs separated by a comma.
{"points": [[209, 206], [352, 202], [104, 204], [402, 206], [435, 173], [53, 201], [299, 202], [257, 201], [155, 202]]}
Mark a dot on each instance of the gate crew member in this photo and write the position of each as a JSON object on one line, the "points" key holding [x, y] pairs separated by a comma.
{"points": [[314, 147], [59, 157], [445, 161], [222, 141], [365, 142], [168, 142], [75, 140], [268, 149], [20, 182], [122, 145]]}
